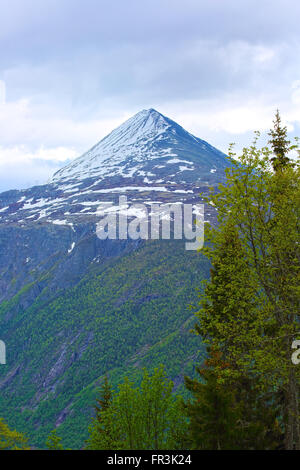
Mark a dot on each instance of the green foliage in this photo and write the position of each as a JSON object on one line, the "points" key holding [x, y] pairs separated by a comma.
{"points": [[280, 144], [145, 417], [54, 441], [127, 313], [229, 416], [11, 439], [250, 308], [212, 413], [101, 433], [105, 398]]}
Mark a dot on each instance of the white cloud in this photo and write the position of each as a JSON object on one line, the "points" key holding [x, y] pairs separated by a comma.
{"points": [[2, 92], [22, 155], [35, 142], [22, 168], [22, 122]]}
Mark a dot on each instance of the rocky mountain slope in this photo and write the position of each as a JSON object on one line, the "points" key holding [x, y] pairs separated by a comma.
{"points": [[74, 307]]}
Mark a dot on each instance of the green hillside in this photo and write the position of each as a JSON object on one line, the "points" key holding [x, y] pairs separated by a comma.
{"points": [[122, 316]]}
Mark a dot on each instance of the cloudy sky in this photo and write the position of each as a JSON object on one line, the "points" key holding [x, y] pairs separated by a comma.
{"points": [[72, 70]]}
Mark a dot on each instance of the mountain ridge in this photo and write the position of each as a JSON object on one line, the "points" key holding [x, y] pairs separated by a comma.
{"points": [[137, 137], [149, 157]]}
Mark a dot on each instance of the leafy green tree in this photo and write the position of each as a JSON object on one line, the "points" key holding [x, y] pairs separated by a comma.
{"points": [[54, 441], [11, 439], [145, 417], [160, 413], [250, 307]]}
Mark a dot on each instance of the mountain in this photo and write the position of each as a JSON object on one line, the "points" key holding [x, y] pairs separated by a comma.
{"points": [[149, 156], [74, 307], [146, 150]]}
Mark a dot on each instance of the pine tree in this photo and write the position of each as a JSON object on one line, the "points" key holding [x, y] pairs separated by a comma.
{"points": [[102, 429], [279, 143], [229, 415], [104, 400], [212, 412]]}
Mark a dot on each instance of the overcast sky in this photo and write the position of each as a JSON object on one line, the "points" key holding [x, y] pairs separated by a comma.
{"points": [[72, 70]]}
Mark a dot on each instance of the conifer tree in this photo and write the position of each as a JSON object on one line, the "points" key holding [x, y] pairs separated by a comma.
{"points": [[105, 398], [101, 429], [229, 415], [279, 143], [212, 411]]}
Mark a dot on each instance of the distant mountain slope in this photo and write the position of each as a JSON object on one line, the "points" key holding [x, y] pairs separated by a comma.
{"points": [[74, 307], [122, 316]]}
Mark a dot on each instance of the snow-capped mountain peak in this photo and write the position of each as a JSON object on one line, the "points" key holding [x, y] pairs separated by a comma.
{"points": [[147, 122], [149, 158], [135, 140], [147, 136]]}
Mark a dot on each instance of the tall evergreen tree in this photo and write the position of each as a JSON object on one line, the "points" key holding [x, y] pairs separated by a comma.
{"points": [[104, 400], [229, 415], [101, 429], [212, 411], [279, 143]]}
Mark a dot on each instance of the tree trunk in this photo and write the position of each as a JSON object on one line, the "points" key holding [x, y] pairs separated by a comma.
{"points": [[292, 431]]}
